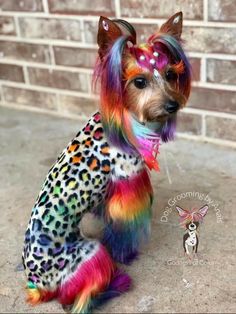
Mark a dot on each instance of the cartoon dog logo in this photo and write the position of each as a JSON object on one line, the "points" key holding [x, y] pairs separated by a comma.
{"points": [[190, 220]]}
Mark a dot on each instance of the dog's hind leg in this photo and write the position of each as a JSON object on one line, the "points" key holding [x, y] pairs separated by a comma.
{"points": [[92, 278], [196, 246], [184, 246]]}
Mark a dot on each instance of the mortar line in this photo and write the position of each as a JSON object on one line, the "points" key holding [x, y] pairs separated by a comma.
{"points": [[40, 88], [82, 29], [210, 113], [26, 74], [89, 83], [216, 141], [54, 42], [52, 56], [18, 32], [212, 56], [191, 23], [2, 94], [216, 86], [197, 23], [43, 111], [45, 6], [205, 10], [58, 102], [47, 66], [117, 9], [203, 125], [203, 70]]}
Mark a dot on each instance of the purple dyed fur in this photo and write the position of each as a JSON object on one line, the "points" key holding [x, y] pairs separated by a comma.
{"points": [[130, 258], [168, 130], [121, 282]]}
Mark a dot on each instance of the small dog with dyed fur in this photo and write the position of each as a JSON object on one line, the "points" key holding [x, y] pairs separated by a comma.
{"points": [[104, 170], [190, 220]]}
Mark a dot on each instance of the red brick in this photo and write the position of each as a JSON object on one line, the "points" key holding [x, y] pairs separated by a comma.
{"points": [[196, 67], [77, 105], [98, 7], [23, 51], [10, 72], [58, 79], [91, 28], [50, 28], [222, 10], [7, 25], [192, 9], [221, 128], [213, 99], [78, 57], [189, 123], [219, 71], [30, 98], [24, 5]]}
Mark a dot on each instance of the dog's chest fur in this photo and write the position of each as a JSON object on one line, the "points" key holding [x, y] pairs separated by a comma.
{"points": [[76, 183], [191, 238]]}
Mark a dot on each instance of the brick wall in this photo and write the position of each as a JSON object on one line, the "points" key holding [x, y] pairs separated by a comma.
{"points": [[48, 48]]}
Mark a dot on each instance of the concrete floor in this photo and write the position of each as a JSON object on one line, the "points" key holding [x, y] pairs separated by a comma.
{"points": [[164, 279]]}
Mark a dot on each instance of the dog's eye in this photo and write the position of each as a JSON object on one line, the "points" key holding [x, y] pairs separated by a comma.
{"points": [[140, 82], [171, 76]]}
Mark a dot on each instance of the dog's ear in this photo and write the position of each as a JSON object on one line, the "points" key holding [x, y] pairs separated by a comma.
{"points": [[173, 26], [108, 32], [203, 210], [182, 212]]}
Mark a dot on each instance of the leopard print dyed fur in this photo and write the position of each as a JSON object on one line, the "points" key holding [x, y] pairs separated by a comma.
{"points": [[76, 184]]}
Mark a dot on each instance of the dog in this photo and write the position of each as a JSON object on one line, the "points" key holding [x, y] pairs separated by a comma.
{"points": [[190, 220], [191, 238], [104, 170]]}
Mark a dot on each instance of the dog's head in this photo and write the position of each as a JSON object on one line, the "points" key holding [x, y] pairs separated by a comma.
{"points": [[192, 226], [149, 81], [190, 219]]}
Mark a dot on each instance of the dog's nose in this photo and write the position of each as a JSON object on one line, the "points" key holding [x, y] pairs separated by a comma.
{"points": [[171, 106]]}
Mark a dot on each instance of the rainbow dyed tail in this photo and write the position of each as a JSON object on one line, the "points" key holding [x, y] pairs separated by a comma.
{"points": [[36, 295]]}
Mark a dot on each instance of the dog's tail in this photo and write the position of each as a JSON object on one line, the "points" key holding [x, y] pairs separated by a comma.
{"points": [[36, 295], [120, 283]]}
